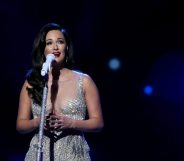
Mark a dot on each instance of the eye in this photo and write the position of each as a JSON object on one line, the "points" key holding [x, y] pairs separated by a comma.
{"points": [[48, 43], [60, 42]]}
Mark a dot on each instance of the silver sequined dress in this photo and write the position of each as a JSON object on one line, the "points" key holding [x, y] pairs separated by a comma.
{"points": [[66, 146]]}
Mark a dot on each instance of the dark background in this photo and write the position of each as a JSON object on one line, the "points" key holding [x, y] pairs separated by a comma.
{"points": [[148, 39]]}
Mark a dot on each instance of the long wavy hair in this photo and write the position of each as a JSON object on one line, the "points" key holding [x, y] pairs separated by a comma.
{"points": [[34, 77]]}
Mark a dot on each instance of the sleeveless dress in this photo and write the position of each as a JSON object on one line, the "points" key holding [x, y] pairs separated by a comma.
{"points": [[66, 145]]}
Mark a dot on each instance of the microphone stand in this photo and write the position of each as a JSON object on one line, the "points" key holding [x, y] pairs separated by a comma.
{"points": [[42, 118]]}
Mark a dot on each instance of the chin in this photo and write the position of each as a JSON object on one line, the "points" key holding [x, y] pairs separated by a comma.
{"points": [[58, 61]]}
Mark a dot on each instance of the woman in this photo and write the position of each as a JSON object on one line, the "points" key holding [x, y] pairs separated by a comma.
{"points": [[72, 105]]}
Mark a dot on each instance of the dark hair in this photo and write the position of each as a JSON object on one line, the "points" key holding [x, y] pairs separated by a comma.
{"points": [[34, 77]]}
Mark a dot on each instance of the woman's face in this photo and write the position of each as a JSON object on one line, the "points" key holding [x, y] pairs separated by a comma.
{"points": [[55, 44]]}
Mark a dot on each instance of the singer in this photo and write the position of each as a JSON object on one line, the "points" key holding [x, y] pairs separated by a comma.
{"points": [[73, 102]]}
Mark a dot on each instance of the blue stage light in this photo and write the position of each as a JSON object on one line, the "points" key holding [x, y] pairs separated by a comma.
{"points": [[114, 64], [148, 90]]}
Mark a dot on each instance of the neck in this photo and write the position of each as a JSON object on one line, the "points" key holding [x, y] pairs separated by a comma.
{"points": [[56, 68], [56, 72]]}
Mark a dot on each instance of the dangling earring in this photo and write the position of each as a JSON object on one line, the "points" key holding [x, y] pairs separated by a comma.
{"points": [[67, 50], [43, 58], [66, 59]]}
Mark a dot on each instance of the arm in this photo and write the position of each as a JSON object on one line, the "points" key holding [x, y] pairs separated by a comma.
{"points": [[95, 121], [24, 122]]}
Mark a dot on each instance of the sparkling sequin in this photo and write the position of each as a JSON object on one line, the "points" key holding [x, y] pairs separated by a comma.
{"points": [[69, 147]]}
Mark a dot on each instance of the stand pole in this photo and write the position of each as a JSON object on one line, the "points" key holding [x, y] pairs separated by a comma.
{"points": [[41, 127]]}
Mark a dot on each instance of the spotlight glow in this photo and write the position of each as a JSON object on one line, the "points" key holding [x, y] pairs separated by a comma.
{"points": [[114, 64], [148, 90]]}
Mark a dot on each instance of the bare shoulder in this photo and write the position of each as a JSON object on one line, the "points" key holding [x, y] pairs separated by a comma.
{"points": [[24, 92], [86, 78], [26, 84], [88, 82]]}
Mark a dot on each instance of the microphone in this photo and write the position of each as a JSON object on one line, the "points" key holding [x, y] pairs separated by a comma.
{"points": [[46, 66]]}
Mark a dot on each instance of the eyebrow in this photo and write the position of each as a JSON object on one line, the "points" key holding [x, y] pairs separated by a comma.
{"points": [[58, 38]]}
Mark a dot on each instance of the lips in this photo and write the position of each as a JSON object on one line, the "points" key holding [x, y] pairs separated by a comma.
{"points": [[57, 54]]}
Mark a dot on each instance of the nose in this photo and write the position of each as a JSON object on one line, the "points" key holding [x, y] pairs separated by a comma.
{"points": [[55, 46]]}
